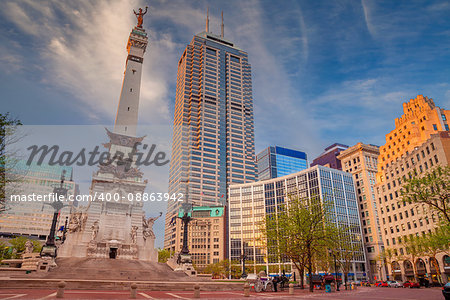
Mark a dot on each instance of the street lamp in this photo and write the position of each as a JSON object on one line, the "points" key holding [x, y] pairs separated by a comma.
{"points": [[49, 249], [185, 220], [335, 269], [243, 258]]}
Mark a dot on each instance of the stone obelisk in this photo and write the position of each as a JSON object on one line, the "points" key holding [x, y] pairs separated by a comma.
{"points": [[114, 225]]}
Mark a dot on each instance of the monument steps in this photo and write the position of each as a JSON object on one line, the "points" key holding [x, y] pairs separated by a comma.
{"points": [[120, 269], [111, 269]]}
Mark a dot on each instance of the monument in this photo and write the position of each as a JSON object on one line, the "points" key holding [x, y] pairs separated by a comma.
{"points": [[114, 225]]}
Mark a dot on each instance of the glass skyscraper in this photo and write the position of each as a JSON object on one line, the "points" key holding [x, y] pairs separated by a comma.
{"points": [[277, 161], [250, 203], [213, 134]]}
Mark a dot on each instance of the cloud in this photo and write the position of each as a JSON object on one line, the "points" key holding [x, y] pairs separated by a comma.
{"points": [[82, 50]]}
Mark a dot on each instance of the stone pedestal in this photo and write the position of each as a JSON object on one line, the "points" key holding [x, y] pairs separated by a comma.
{"points": [[46, 263], [30, 261], [182, 263]]}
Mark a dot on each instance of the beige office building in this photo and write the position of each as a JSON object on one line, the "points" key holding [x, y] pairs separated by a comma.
{"points": [[361, 161], [206, 235], [419, 142], [400, 220]]}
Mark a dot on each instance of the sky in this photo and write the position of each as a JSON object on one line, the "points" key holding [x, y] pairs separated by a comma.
{"points": [[322, 71]]}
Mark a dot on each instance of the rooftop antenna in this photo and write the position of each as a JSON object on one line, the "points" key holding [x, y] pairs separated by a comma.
{"points": [[222, 27], [207, 20]]}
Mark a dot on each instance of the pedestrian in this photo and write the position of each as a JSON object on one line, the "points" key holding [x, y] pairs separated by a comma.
{"points": [[275, 281]]}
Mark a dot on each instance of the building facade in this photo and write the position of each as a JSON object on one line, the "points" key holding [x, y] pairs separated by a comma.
{"points": [[329, 157], [361, 161], [416, 145], [34, 218], [275, 161], [421, 118], [400, 220], [206, 235], [213, 135], [250, 203]]}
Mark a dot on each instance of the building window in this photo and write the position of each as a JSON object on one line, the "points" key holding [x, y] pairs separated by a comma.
{"points": [[435, 127]]}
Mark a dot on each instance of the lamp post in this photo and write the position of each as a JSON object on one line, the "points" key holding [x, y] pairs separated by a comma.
{"points": [[65, 230], [185, 220], [243, 258], [335, 269], [49, 249]]}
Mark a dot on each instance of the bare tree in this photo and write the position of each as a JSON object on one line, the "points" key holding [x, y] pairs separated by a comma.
{"points": [[9, 177]]}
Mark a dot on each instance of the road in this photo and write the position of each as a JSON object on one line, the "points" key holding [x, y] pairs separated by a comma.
{"points": [[365, 293]]}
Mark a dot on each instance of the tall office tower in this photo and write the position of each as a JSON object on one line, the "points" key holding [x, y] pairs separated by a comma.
{"points": [[329, 157], [213, 135], [34, 218], [419, 142], [250, 203], [277, 161], [361, 161]]}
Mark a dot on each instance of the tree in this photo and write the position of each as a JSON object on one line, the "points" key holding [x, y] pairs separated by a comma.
{"points": [[5, 251], [8, 136], [435, 242], [386, 257], [413, 249], [164, 255], [346, 245], [300, 231], [431, 189], [216, 270]]}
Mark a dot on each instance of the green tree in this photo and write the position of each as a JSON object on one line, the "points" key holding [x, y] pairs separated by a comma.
{"points": [[18, 243], [8, 136], [386, 257], [414, 249], [431, 189], [5, 251], [300, 231], [434, 243], [164, 255], [346, 245]]}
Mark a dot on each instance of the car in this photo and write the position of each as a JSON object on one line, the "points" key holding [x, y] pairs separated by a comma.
{"points": [[411, 284], [378, 283], [395, 284], [384, 284], [365, 283], [446, 291]]}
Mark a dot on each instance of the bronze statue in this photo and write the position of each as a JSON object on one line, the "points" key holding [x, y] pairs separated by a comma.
{"points": [[140, 16]]}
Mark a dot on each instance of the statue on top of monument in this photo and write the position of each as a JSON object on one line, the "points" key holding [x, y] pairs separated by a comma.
{"points": [[140, 16], [147, 225]]}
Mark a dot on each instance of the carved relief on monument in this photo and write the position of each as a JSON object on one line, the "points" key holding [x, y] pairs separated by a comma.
{"points": [[77, 221], [133, 234], [95, 227]]}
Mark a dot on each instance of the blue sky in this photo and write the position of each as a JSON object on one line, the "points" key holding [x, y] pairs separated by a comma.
{"points": [[323, 71]]}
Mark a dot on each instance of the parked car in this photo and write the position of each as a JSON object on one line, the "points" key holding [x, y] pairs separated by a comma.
{"points": [[384, 284], [411, 284], [446, 291], [365, 283], [395, 284], [378, 283]]}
